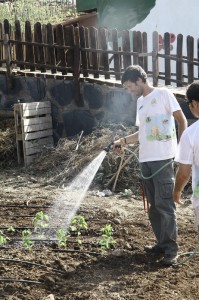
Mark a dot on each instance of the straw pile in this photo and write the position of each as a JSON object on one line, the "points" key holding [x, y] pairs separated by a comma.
{"points": [[60, 165], [8, 151]]}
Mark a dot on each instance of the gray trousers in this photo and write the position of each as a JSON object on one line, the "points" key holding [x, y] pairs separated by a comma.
{"points": [[162, 210]]}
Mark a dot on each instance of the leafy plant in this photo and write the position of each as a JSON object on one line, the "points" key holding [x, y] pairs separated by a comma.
{"points": [[107, 240], [62, 237], [3, 239], [40, 222], [107, 230], [26, 240], [11, 229], [78, 223]]}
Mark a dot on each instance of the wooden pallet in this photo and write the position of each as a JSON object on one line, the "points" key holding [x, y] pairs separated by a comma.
{"points": [[33, 125]]}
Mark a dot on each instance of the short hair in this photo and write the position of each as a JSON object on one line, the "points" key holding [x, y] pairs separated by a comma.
{"points": [[192, 92], [133, 73]]}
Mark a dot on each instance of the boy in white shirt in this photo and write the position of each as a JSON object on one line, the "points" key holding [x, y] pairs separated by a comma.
{"points": [[157, 110], [188, 154]]}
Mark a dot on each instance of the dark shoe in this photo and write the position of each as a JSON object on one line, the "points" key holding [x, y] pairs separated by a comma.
{"points": [[169, 259], [153, 249]]}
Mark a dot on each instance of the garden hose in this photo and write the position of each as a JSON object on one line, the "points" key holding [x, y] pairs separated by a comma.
{"points": [[154, 174]]}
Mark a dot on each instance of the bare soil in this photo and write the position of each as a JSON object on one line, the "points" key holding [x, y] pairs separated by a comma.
{"points": [[48, 271]]}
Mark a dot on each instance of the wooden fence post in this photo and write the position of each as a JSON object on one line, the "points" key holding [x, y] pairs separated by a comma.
{"points": [[7, 52], [155, 69]]}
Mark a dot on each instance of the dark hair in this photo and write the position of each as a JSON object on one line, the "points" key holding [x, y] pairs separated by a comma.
{"points": [[192, 92], [133, 73]]}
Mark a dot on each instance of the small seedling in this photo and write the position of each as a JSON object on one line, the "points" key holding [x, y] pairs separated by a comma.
{"points": [[78, 223], [40, 222], [27, 243], [3, 239], [106, 240], [62, 237], [107, 230], [11, 229]]}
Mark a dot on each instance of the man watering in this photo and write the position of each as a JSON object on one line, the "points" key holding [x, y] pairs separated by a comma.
{"points": [[157, 110]]}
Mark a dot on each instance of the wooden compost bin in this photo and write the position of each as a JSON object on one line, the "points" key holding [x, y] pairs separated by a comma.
{"points": [[33, 124]]}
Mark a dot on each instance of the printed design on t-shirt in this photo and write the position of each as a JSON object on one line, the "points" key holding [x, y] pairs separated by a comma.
{"points": [[160, 128], [196, 182], [153, 101], [196, 188]]}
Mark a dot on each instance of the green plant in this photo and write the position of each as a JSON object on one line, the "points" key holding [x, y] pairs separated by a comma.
{"points": [[62, 237], [106, 240], [11, 229], [40, 222], [26, 241], [3, 239], [107, 230], [78, 223]]}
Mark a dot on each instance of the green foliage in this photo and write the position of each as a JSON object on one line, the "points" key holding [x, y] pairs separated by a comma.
{"points": [[36, 11], [26, 241], [106, 240], [3, 239], [62, 235], [40, 222], [11, 229], [78, 223]]}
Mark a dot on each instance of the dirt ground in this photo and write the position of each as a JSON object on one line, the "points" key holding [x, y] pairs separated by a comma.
{"points": [[48, 271]]}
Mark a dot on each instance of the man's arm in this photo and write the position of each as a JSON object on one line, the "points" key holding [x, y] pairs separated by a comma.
{"points": [[129, 139], [181, 121], [182, 177]]}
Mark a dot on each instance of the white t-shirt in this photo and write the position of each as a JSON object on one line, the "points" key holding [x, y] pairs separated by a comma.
{"points": [[188, 153], [157, 132]]}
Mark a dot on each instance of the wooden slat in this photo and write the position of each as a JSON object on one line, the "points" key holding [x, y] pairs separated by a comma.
{"points": [[95, 56], [19, 47], [38, 143], [76, 71], [61, 55], [87, 41], [37, 135], [84, 54], [38, 127], [32, 148], [29, 49], [140, 48], [155, 69], [103, 41], [126, 48], [69, 38], [34, 105], [145, 50], [135, 47], [39, 111], [179, 65], [190, 56], [167, 60], [7, 27], [37, 120], [50, 53], [116, 57], [1, 45], [39, 50]]}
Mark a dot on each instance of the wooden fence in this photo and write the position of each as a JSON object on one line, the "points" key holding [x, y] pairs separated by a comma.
{"points": [[82, 52]]}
